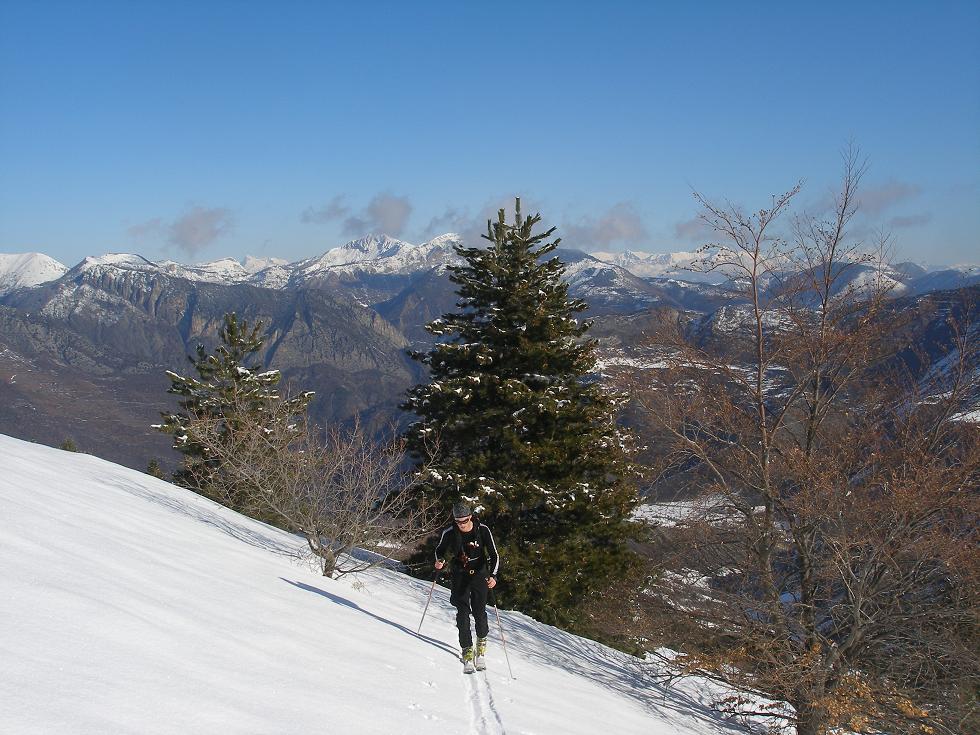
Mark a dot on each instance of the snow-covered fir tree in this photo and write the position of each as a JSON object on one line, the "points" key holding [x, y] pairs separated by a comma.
{"points": [[230, 382], [514, 422]]}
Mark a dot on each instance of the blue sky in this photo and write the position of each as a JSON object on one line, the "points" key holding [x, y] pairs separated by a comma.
{"points": [[196, 130]]}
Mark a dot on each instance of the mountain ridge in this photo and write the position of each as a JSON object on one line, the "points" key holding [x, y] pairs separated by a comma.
{"points": [[382, 255]]}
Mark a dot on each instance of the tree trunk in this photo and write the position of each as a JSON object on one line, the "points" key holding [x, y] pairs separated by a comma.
{"points": [[328, 562], [810, 720]]}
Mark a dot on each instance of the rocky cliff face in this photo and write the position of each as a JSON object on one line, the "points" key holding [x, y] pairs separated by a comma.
{"points": [[100, 338]]}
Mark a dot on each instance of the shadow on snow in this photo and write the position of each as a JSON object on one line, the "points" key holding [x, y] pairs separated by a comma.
{"points": [[354, 606], [211, 518]]}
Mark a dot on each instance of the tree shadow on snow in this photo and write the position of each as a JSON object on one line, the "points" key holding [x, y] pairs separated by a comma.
{"points": [[212, 518], [619, 672], [354, 606]]}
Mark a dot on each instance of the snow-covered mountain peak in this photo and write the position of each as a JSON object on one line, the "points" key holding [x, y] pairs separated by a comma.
{"points": [[253, 264], [229, 263], [375, 246], [24, 270], [635, 255], [448, 240], [655, 265], [224, 269], [378, 247], [379, 254], [370, 248], [119, 259], [587, 261]]}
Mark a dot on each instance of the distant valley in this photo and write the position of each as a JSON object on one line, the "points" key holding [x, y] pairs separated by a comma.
{"points": [[83, 349]]}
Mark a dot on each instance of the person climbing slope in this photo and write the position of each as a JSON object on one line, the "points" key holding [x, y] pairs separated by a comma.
{"points": [[474, 563]]}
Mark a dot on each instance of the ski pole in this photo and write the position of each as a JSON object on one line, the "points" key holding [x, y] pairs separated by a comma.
{"points": [[503, 640], [431, 589]]}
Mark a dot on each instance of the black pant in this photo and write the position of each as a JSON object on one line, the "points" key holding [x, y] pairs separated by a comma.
{"points": [[469, 597]]}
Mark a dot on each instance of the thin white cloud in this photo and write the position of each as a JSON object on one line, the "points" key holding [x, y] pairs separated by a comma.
{"points": [[192, 231], [471, 227], [199, 227], [452, 220], [872, 201], [152, 228], [912, 220], [332, 210], [620, 224], [385, 213], [693, 230]]}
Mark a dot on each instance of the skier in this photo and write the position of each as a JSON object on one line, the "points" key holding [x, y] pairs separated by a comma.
{"points": [[469, 545]]}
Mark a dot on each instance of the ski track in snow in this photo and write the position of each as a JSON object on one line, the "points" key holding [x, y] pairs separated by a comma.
{"points": [[484, 718], [493, 706]]}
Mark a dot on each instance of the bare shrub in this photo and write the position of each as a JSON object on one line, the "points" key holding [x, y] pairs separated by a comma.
{"points": [[345, 491], [830, 560]]}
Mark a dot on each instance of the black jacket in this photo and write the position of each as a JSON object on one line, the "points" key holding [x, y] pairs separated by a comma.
{"points": [[472, 551]]}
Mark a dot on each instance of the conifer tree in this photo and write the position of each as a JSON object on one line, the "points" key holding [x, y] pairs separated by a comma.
{"points": [[227, 377], [525, 432], [153, 468]]}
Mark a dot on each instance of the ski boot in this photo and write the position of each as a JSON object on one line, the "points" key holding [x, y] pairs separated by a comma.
{"points": [[468, 667], [481, 650]]}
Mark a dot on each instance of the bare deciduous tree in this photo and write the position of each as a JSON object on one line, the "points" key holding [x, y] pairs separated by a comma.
{"points": [[831, 561], [344, 491]]}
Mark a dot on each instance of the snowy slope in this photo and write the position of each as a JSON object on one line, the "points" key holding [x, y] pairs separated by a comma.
{"points": [[132, 606], [949, 278], [23, 270], [658, 265], [254, 265], [378, 254], [374, 254], [225, 270]]}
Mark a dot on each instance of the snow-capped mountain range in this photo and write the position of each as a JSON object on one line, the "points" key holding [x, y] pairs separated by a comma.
{"points": [[374, 254], [380, 254], [658, 265], [632, 270]]}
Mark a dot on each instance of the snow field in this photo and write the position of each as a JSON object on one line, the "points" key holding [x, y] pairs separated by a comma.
{"points": [[132, 606]]}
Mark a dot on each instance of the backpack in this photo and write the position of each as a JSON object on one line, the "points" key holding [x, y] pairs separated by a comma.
{"points": [[462, 558]]}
